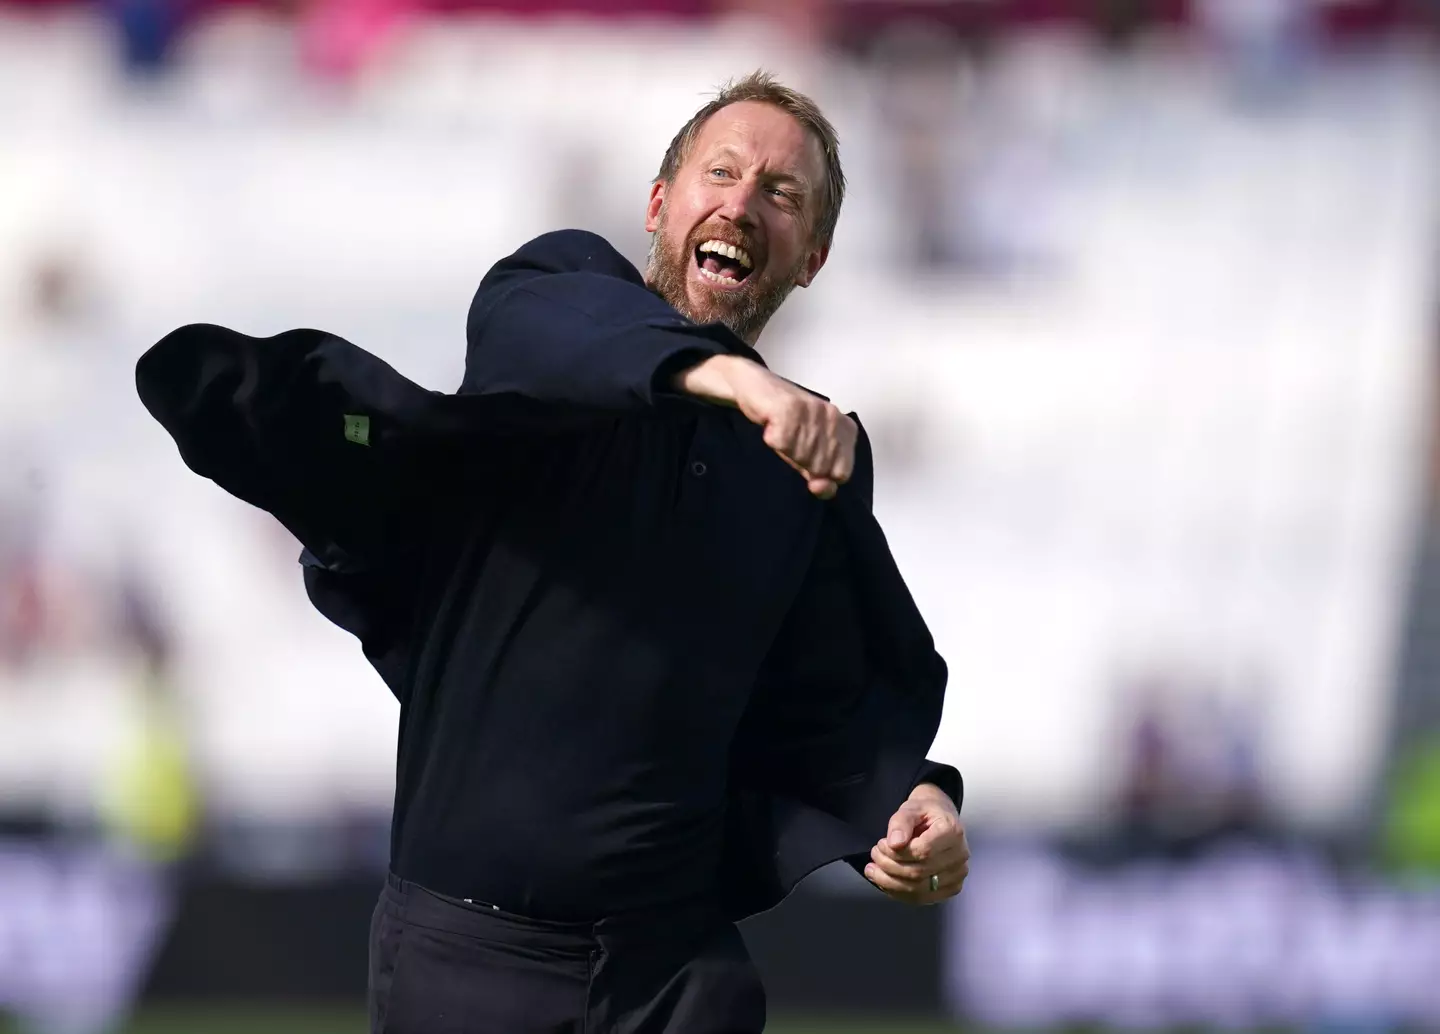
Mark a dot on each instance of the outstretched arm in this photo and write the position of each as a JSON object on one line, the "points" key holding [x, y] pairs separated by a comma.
{"points": [[566, 324], [581, 346], [566, 327]]}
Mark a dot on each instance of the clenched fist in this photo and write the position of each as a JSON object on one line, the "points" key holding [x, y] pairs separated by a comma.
{"points": [[807, 432], [925, 856]]}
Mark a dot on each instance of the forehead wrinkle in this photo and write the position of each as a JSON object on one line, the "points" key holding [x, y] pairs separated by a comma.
{"points": [[717, 151]]}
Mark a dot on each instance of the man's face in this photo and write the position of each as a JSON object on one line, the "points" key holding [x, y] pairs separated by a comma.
{"points": [[751, 183]]}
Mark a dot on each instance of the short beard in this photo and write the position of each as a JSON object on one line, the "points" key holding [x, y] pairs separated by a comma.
{"points": [[745, 311]]}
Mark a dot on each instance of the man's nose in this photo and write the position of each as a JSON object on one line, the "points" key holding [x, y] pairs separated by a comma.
{"points": [[740, 202]]}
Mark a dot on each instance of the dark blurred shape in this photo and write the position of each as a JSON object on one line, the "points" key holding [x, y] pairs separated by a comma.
{"points": [[63, 293], [1147, 784], [148, 30], [1191, 780], [142, 627], [1120, 22], [56, 289]]}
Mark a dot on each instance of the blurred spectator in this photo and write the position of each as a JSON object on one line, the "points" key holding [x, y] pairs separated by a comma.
{"points": [[150, 802], [148, 30], [338, 38], [58, 300], [922, 85], [1119, 22], [805, 23], [1261, 44], [22, 610], [1191, 777], [1412, 824]]}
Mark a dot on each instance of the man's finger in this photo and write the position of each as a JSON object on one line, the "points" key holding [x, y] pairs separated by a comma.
{"points": [[941, 832], [819, 485], [837, 447], [951, 883], [912, 872], [903, 825], [780, 435], [793, 465], [808, 445], [890, 884], [835, 463], [943, 855], [931, 847], [915, 880], [844, 464]]}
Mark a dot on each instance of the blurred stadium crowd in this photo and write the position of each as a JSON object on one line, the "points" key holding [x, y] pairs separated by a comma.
{"points": [[1137, 300]]}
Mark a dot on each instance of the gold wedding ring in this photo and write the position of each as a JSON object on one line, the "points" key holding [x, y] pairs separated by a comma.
{"points": [[935, 881]]}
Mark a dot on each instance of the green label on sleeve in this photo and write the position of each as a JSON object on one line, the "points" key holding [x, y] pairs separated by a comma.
{"points": [[357, 429]]}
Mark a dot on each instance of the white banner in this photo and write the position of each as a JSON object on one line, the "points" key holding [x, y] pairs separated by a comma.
{"points": [[1240, 938], [78, 927]]}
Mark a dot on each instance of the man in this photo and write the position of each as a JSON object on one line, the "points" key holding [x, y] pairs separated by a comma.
{"points": [[649, 676]]}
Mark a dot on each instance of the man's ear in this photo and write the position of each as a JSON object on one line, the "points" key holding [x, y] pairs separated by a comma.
{"points": [[813, 262], [657, 202]]}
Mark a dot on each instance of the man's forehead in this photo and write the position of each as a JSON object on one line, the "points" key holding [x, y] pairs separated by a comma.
{"points": [[755, 130]]}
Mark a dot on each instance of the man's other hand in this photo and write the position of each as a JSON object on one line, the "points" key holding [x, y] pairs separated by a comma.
{"points": [[807, 432], [925, 839]]}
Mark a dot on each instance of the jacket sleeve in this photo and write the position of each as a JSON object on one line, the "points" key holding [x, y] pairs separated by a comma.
{"points": [[578, 337], [847, 747], [276, 422]]}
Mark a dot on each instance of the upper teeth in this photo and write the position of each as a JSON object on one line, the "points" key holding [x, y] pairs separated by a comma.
{"points": [[740, 255]]}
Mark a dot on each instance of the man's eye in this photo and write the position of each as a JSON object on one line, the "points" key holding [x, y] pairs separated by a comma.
{"points": [[719, 172]]}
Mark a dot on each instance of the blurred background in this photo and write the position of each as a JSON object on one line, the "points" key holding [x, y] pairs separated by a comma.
{"points": [[1137, 299]]}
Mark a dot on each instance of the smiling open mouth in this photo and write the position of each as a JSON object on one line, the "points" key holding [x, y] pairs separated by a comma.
{"points": [[723, 264]]}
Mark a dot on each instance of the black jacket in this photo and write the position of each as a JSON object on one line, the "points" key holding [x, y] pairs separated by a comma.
{"points": [[563, 337]]}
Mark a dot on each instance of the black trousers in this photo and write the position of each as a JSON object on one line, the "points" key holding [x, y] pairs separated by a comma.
{"points": [[442, 966]]}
